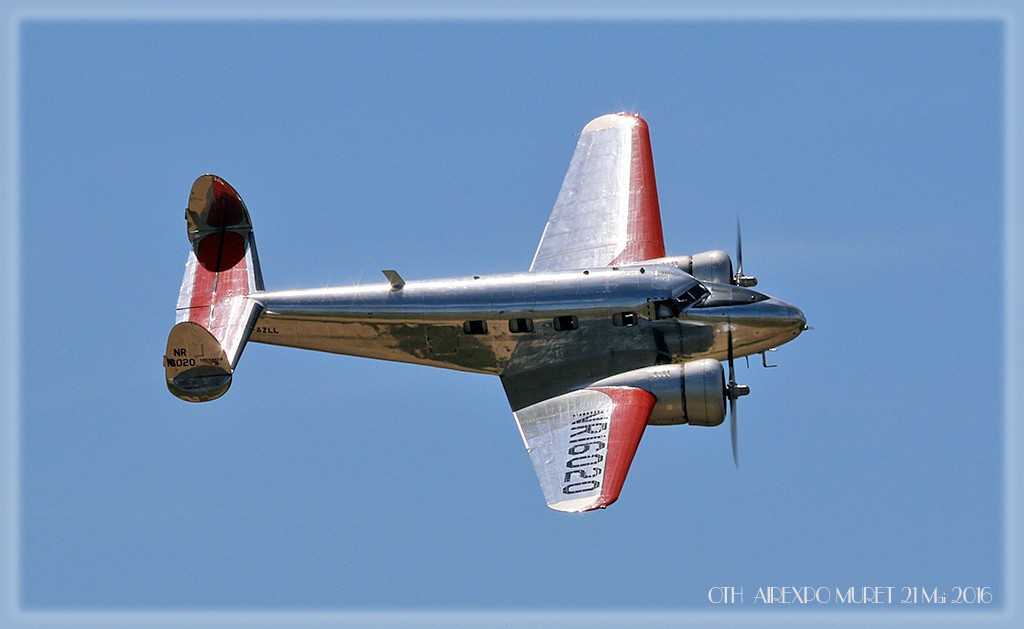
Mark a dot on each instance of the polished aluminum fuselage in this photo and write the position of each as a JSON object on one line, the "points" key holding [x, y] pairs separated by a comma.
{"points": [[437, 323]]}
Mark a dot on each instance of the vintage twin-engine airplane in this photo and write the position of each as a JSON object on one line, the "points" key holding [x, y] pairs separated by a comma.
{"points": [[601, 337]]}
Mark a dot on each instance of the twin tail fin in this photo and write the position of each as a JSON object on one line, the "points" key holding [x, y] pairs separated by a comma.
{"points": [[215, 313]]}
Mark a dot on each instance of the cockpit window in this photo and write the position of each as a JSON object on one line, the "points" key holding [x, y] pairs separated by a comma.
{"points": [[669, 308], [710, 296], [696, 293], [729, 295]]}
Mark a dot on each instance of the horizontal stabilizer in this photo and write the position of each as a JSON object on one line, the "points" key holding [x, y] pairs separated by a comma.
{"points": [[215, 315]]}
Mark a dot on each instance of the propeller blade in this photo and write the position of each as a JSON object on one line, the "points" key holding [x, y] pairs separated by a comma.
{"points": [[732, 430], [728, 349], [732, 395], [739, 249], [740, 279]]}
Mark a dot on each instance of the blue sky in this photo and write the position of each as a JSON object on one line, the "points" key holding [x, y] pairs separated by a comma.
{"points": [[865, 159]]}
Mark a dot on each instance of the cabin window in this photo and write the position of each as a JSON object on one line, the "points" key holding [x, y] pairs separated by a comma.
{"points": [[624, 319], [520, 326], [566, 323], [475, 327]]}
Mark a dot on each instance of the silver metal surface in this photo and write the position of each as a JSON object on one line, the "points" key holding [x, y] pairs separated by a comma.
{"points": [[588, 225], [377, 322], [581, 443], [706, 266], [213, 319], [574, 338], [197, 369], [394, 279], [692, 392], [547, 429], [423, 323]]}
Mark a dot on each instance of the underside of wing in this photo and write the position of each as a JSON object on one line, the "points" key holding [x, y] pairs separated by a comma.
{"points": [[582, 443], [607, 211]]}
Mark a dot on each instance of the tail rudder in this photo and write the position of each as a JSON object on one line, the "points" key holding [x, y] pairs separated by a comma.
{"points": [[214, 316]]}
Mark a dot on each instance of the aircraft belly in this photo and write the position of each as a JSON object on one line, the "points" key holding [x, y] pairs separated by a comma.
{"points": [[544, 367], [437, 344], [533, 366]]}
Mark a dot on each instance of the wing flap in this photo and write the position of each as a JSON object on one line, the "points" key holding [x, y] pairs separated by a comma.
{"points": [[607, 209], [582, 443]]}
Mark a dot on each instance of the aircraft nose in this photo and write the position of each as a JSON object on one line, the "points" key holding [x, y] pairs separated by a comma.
{"points": [[785, 315], [797, 316], [793, 318]]}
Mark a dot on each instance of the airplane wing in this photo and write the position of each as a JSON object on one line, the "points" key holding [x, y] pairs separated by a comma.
{"points": [[607, 211], [581, 443]]}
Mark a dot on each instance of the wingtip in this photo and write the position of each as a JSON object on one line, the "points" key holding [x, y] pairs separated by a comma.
{"points": [[623, 119], [582, 505]]}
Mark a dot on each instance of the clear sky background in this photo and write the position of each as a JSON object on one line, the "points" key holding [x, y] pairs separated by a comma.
{"points": [[865, 159]]}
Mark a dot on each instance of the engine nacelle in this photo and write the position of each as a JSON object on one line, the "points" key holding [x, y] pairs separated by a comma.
{"points": [[692, 393], [707, 266]]}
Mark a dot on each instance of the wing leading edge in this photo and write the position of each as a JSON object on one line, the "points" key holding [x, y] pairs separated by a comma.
{"points": [[582, 443], [607, 209]]}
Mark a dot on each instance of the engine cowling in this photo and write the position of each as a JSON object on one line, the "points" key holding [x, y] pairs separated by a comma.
{"points": [[692, 393], [707, 266]]}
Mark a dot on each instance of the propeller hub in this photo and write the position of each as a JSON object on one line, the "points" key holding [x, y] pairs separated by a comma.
{"points": [[738, 390], [746, 281]]}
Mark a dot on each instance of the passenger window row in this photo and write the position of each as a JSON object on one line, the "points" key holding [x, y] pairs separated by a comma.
{"points": [[563, 323]]}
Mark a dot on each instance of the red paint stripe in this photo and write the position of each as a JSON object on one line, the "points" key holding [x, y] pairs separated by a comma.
{"points": [[202, 294], [629, 418], [644, 239], [211, 287]]}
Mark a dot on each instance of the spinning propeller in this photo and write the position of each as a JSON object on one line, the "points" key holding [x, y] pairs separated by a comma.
{"points": [[734, 390], [740, 279]]}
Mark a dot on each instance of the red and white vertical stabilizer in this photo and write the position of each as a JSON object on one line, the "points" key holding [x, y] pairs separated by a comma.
{"points": [[215, 316]]}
